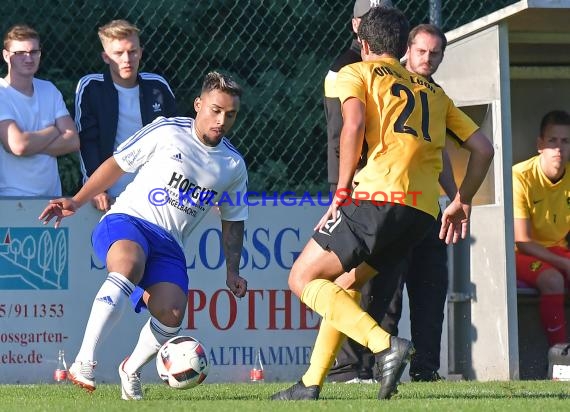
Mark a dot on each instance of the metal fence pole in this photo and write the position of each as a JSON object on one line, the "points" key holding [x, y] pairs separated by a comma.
{"points": [[435, 12]]}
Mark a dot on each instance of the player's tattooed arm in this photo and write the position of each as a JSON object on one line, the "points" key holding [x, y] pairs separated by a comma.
{"points": [[232, 241]]}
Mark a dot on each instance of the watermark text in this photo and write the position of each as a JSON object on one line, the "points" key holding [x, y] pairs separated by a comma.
{"points": [[195, 197]]}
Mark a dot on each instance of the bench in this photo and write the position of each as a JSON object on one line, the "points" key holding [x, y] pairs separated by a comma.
{"points": [[533, 346]]}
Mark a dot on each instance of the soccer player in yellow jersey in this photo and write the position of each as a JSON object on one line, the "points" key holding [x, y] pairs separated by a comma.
{"points": [[541, 200], [403, 118]]}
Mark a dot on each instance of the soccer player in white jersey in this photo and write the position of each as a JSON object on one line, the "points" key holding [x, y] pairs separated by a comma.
{"points": [[183, 168]]}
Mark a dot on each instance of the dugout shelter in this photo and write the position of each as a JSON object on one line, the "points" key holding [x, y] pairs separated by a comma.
{"points": [[506, 70]]}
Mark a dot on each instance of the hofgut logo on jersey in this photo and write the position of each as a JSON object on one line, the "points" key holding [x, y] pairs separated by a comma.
{"points": [[191, 193]]}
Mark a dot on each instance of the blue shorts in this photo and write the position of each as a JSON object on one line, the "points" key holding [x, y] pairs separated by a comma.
{"points": [[165, 260]]}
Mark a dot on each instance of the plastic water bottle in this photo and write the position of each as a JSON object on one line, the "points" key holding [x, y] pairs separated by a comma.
{"points": [[256, 372], [60, 373]]}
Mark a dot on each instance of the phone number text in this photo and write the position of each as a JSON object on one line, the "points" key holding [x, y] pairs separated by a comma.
{"points": [[35, 310]]}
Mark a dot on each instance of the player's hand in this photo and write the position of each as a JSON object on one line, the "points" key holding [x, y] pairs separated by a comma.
{"points": [[58, 208], [332, 212], [102, 202], [329, 216], [454, 221], [237, 285]]}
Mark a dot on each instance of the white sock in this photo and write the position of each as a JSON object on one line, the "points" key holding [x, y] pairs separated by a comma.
{"points": [[107, 309], [153, 335]]}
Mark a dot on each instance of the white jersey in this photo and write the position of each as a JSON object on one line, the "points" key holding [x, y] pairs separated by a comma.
{"points": [[35, 175], [179, 178]]}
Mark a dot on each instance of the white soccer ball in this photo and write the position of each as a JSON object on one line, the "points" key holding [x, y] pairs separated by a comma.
{"points": [[182, 362]]}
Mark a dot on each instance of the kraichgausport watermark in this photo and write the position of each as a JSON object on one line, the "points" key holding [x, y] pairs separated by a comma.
{"points": [[200, 198], [378, 198]]}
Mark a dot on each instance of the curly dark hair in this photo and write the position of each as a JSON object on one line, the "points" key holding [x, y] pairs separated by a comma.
{"points": [[385, 30]]}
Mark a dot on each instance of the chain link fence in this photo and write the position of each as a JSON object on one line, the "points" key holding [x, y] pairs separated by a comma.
{"points": [[278, 50]]}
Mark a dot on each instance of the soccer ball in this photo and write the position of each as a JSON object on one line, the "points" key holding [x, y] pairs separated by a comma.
{"points": [[182, 362]]}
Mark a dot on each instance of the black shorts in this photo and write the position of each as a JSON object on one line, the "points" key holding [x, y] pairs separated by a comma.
{"points": [[380, 235]]}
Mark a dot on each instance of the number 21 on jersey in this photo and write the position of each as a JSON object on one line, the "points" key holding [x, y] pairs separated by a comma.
{"points": [[400, 125]]}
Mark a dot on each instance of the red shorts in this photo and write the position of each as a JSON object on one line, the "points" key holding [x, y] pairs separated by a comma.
{"points": [[529, 267]]}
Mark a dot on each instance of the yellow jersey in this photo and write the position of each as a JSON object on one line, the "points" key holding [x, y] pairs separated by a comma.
{"points": [[406, 121], [545, 204]]}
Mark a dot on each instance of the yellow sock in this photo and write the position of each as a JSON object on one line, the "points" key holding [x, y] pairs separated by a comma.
{"points": [[327, 344], [337, 307]]}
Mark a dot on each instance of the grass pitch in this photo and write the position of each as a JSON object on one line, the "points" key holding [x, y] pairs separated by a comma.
{"points": [[542, 396]]}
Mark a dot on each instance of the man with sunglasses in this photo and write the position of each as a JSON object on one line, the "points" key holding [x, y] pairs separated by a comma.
{"points": [[35, 125]]}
